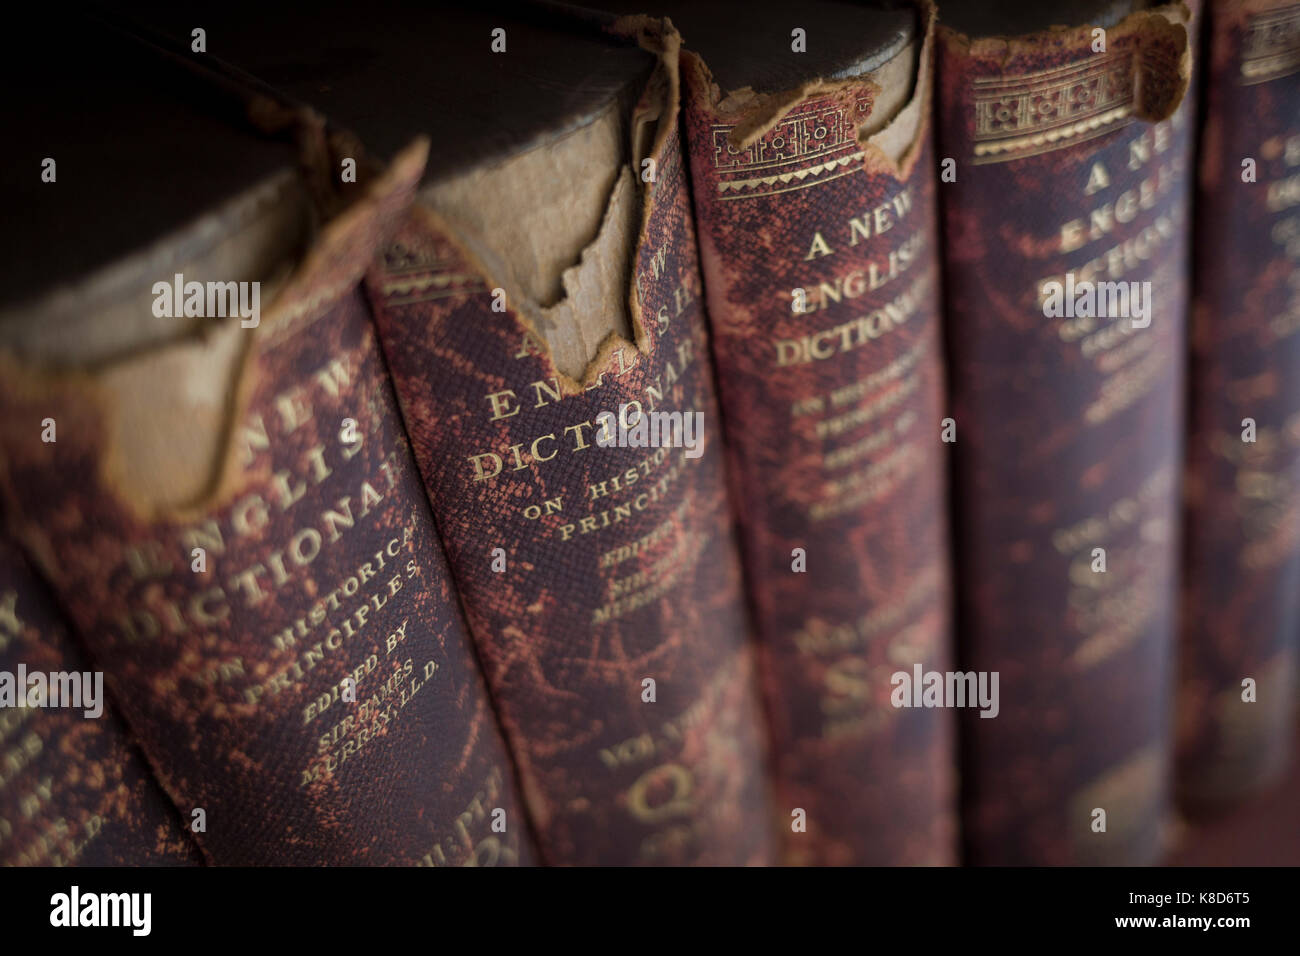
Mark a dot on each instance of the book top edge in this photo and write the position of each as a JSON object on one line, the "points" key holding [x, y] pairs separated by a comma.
{"points": [[991, 18]]}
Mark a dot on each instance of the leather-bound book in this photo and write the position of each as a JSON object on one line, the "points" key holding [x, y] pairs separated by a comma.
{"points": [[74, 790], [813, 180], [201, 452], [545, 292], [1067, 132], [1241, 594]]}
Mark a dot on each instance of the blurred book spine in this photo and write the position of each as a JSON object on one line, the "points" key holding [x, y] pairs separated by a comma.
{"points": [[74, 789], [1066, 240], [1241, 595]]}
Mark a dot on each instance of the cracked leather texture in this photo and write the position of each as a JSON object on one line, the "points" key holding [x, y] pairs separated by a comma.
{"points": [[569, 629]]}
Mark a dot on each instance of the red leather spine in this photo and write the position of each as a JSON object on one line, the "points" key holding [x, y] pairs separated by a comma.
{"points": [[74, 790], [1241, 595], [820, 259], [619, 562], [1068, 426]]}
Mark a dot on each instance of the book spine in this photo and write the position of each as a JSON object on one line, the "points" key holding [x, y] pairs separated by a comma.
{"points": [[820, 259], [284, 643], [1241, 596], [600, 579], [1069, 176], [74, 790]]}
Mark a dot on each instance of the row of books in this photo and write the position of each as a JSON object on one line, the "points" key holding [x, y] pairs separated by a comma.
{"points": [[823, 433]]}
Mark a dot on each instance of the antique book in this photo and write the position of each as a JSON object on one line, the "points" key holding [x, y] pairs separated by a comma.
{"points": [[74, 790], [1241, 591], [201, 452], [813, 180], [542, 299], [1066, 222]]}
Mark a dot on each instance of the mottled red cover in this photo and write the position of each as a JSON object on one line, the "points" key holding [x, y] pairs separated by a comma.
{"points": [[839, 456], [1068, 436], [74, 790], [417, 773], [1241, 599], [608, 777]]}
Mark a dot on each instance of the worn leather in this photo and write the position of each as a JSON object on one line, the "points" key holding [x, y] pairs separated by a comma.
{"points": [[838, 456], [1068, 434], [1241, 594], [74, 790], [568, 632], [218, 672]]}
